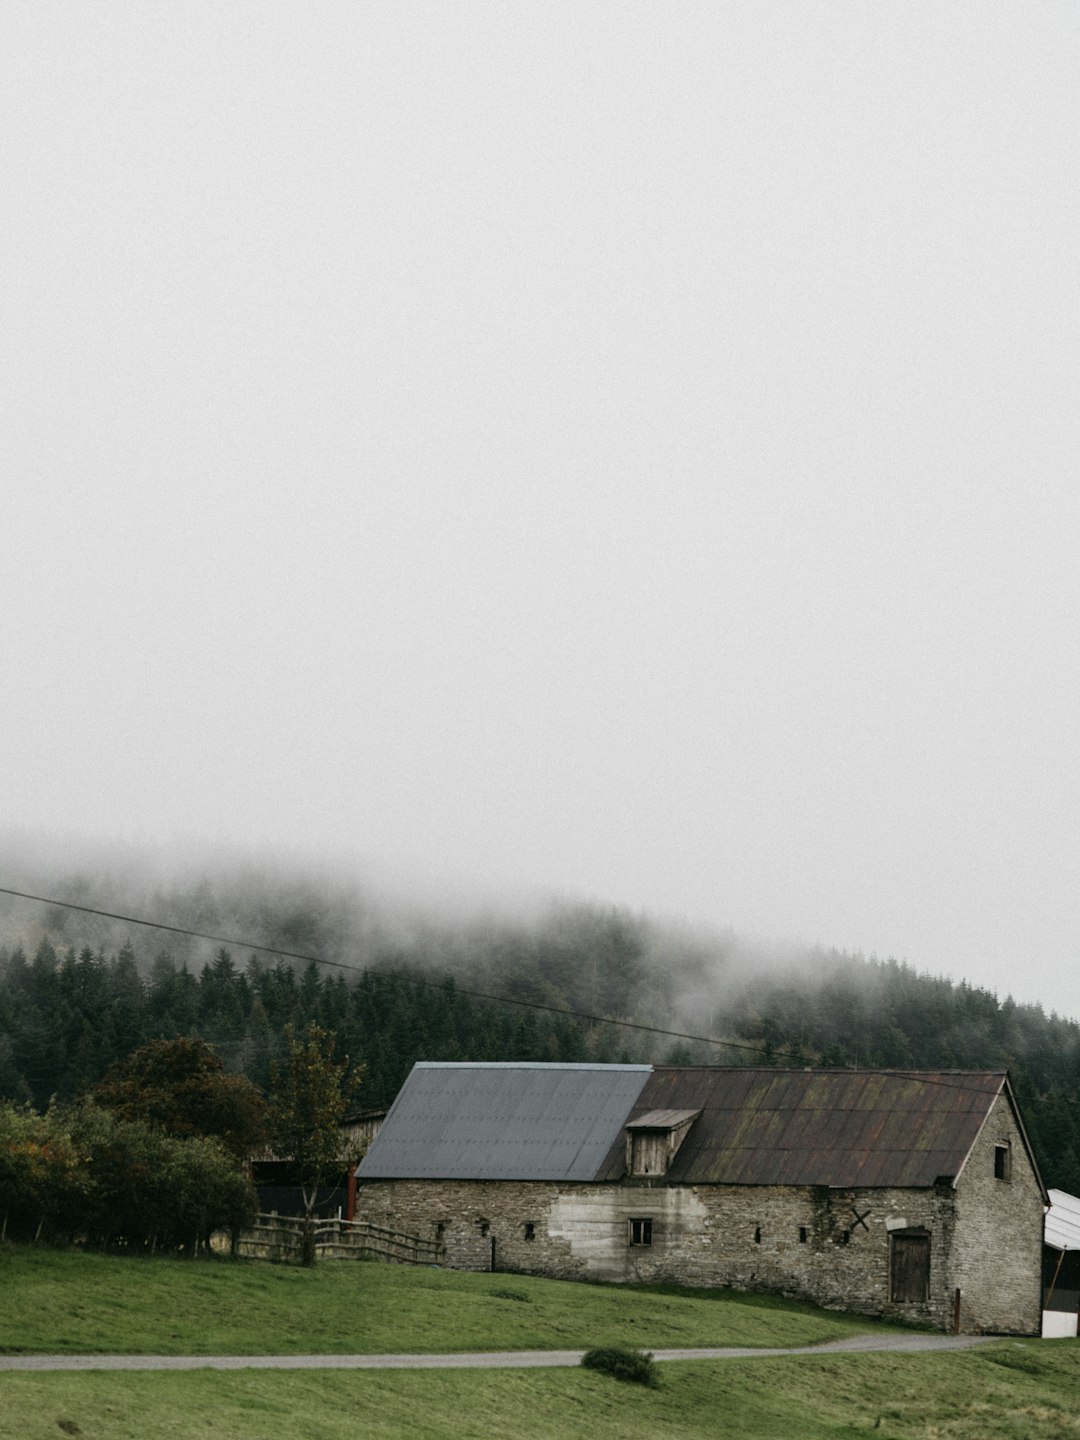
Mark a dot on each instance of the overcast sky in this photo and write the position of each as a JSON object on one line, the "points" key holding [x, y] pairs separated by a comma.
{"points": [[623, 451]]}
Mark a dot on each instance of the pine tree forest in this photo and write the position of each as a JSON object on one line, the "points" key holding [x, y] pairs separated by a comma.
{"points": [[548, 992]]}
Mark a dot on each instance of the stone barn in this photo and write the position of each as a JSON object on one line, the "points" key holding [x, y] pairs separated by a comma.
{"points": [[913, 1195]]}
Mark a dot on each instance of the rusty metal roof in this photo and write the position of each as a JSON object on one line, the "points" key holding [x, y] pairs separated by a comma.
{"points": [[503, 1122], [817, 1127]]}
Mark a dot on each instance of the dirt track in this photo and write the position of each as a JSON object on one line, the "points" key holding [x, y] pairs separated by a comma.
{"points": [[491, 1360]]}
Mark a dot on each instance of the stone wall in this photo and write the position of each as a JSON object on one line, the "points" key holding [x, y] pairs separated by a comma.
{"points": [[483, 1225], [829, 1246], [996, 1261]]}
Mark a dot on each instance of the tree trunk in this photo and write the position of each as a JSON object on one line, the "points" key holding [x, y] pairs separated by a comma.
{"points": [[307, 1246], [307, 1242]]}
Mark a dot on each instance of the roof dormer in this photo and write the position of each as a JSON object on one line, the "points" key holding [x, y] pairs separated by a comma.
{"points": [[653, 1140]]}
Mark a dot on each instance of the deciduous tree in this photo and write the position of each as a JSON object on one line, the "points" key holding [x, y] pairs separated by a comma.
{"points": [[310, 1094], [183, 1088]]}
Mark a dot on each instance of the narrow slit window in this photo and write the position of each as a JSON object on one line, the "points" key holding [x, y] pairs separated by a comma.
{"points": [[757, 1234], [802, 1234], [530, 1230], [641, 1232]]}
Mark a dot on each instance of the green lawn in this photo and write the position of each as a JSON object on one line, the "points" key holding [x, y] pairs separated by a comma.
{"points": [[56, 1301], [977, 1395], [69, 1303]]}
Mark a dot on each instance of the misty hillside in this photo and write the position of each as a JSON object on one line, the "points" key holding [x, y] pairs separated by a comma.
{"points": [[396, 984]]}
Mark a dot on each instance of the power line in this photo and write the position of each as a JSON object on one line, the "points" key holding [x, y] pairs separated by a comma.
{"points": [[437, 984], [362, 970], [174, 929]]}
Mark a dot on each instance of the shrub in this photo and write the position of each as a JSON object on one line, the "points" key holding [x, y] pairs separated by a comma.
{"points": [[39, 1170], [147, 1190], [623, 1364]]}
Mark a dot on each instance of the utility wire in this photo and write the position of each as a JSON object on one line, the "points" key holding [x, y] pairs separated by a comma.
{"points": [[174, 929], [434, 984], [362, 970]]}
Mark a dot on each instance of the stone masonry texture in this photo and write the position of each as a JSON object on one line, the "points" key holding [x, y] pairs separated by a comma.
{"points": [[823, 1244]]}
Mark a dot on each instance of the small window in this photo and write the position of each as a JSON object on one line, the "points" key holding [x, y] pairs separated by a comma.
{"points": [[530, 1230], [440, 1229], [802, 1234], [485, 1226], [757, 1234], [641, 1232], [1003, 1162]]}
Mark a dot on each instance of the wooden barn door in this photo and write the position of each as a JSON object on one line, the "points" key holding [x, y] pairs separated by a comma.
{"points": [[910, 1268]]}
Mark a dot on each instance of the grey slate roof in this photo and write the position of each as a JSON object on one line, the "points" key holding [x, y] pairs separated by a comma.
{"points": [[503, 1122]]}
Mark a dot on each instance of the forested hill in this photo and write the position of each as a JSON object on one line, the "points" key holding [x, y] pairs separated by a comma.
{"points": [[75, 997]]}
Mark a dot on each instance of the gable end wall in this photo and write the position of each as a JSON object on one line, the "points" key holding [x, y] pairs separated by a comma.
{"points": [[997, 1258]]}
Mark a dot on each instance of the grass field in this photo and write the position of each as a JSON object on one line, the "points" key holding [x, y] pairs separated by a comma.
{"points": [[976, 1395], [1010, 1390], [67, 1303]]}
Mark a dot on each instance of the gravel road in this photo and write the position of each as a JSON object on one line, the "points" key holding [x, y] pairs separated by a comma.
{"points": [[492, 1360]]}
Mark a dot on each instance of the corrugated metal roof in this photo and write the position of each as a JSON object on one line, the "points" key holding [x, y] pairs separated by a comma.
{"points": [[755, 1126], [817, 1127], [1063, 1221], [503, 1122]]}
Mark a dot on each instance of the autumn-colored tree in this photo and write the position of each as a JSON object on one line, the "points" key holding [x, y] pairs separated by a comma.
{"points": [[20, 1168], [182, 1087]]}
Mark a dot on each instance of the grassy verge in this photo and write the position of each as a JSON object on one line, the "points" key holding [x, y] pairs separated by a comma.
{"points": [[69, 1303], [1010, 1391]]}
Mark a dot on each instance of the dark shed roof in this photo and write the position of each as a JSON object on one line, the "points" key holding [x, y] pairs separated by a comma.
{"points": [[817, 1127], [503, 1122]]}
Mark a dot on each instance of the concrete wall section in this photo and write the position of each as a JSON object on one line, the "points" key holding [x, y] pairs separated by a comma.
{"points": [[1057, 1325]]}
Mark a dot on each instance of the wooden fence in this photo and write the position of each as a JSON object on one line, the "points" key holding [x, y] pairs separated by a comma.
{"points": [[280, 1237]]}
